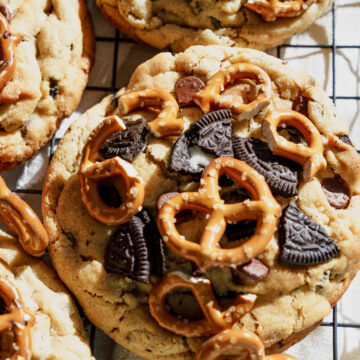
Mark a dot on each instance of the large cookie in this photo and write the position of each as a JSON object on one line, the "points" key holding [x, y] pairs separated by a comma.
{"points": [[292, 297], [178, 24], [57, 332], [53, 53]]}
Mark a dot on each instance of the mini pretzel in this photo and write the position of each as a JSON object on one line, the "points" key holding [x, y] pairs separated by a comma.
{"points": [[215, 318], [210, 97], [207, 253], [166, 124], [227, 340], [18, 319], [311, 156], [8, 44], [272, 9], [17, 215], [123, 174]]}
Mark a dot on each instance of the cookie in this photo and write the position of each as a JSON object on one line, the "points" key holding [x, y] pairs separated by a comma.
{"points": [[233, 212], [48, 64], [55, 327], [259, 24]]}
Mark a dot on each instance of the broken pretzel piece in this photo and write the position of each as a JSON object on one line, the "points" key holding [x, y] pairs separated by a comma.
{"points": [[121, 174], [18, 216], [311, 156], [272, 9], [215, 319], [17, 319], [166, 123], [253, 76], [228, 340]]}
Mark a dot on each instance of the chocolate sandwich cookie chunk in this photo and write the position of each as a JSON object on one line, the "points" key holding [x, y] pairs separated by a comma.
{"points": [[303, 241], [259, 24], [206, 138], [260, 241], [136, 249], [281, 174], [47, 53]]}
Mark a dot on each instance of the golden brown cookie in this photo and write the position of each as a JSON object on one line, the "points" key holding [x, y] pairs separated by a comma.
{"points": [[178, 24], [258, 197], [44, 75]]}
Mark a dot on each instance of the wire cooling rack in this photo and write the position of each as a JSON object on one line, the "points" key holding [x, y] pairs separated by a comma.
{"points": [[109, 80]]}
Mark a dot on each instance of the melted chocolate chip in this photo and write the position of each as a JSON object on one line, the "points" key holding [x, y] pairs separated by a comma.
{"points": [[126, 143], [211, 134], [54, 88], [186, 88], [336, 192], [300, 105], [303, 242], [136, 250], [281, 174], [250, 273]]}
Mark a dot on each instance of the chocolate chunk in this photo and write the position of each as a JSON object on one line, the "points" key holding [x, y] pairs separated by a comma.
{"points": [[303, 242], [136, 250], [211, 133], [110, 195], [126, 143], [300, 105], [250, 273], [346, 139], [281, 174], [54, 88], [185, 88], [181, 217], [336, 192], [5, 11]]}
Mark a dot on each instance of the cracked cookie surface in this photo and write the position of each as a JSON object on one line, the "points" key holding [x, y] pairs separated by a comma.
{"points": [[290, 301], [53, 60], [58, 331], [178, 24]]}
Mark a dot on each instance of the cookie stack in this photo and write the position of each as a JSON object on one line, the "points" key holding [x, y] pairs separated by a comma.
{"points": [[206, 210]]}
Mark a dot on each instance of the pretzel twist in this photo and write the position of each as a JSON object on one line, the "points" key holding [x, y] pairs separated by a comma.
{"points": [[272, 9], [311, 156], [210, 96], [123, 175], [166, 123], [207, 253], [17, 215], [215, 318], [227, 340], [18, 319], [8, 43]]}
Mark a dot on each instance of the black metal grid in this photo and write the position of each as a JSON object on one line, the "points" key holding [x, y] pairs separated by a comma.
{"points": [[118, 39]]}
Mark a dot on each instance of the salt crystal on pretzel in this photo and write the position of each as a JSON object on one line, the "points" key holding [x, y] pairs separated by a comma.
{"points": [[122, 174], [215, 319], [207, 254], [166, 123], [8, 44], [272, 9], [17, 319], [228, 340], [210, 96], [311, 156], [17, 215]]}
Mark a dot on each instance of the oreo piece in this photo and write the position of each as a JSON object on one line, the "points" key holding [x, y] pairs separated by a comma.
{"points": [[336, 192], [281, 174], [303, 242], [185, 88], [211, 134], [136, 250], [126, 143], [250, 273]]}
